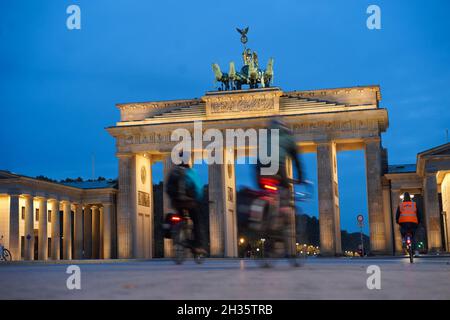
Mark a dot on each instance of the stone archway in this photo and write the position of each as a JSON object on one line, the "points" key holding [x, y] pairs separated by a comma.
{"points": [[323, 121]]}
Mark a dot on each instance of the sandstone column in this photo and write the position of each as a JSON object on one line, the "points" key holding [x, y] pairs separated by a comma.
{"points": [[216, 233], [445, 192], [291, 247], [126, 205], [14, 239], [329, 215], [67, 231], [42, 236], [87, 231], [432, 214], [100, 238], [167, 166], [78, 232], [95, 232], [377, 223], [107, 212], [135, 202], [222, 214], [395, 200], [56, 234], [29, 228], [388, 219]]}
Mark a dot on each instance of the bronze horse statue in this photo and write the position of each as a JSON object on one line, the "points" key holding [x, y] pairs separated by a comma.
{"points": [[250, 74]]}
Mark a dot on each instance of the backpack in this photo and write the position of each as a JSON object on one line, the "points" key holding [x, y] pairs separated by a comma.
{"points": [[176, 183]]}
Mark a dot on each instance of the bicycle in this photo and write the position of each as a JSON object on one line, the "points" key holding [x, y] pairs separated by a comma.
{"points": [[409, 246], [181, 231], [265, 217], [5, 254]]}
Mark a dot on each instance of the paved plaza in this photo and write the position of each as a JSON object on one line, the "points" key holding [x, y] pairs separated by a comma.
{"points": [[319, 278]]}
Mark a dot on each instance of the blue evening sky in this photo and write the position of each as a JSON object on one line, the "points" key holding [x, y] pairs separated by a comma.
{"points": [[58, 88]]}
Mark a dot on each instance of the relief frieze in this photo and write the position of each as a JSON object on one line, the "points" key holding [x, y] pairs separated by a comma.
{"points": [[244, 105]]}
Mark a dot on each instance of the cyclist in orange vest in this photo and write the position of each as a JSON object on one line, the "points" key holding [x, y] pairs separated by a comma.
{"points": [[408, 216]]}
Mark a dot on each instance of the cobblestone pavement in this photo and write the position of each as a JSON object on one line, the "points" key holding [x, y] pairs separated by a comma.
{"points": [[318, 278]]}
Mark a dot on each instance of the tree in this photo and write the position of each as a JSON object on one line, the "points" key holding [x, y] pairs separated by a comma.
{"points": [[44, 178]]}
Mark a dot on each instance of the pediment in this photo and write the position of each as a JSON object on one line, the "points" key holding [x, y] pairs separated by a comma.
{"points": [[442, 150], [7, 175]]}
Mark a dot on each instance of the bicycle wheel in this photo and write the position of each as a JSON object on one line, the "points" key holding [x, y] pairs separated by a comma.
{"points": [[293, 258], [178, 246], [297, 260], [411, 255], [270, 252], [199, 258], [7, 255]]}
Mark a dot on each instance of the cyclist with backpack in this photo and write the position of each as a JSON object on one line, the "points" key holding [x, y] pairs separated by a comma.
{"points": [[185, 192]]}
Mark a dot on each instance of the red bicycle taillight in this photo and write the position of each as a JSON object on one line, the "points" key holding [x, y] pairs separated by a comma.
{"points": [[408, 241], [268, 184], [270, 187], [175, 218]]}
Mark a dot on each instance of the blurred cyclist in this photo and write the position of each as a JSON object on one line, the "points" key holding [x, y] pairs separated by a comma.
{"points": [[287, 149], [185, 192], [283, 219]]}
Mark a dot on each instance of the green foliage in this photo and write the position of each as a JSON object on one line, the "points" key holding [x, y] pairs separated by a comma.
{"points": [[44, 178]]}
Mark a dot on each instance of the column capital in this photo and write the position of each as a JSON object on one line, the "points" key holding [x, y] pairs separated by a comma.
{"points": [[124, 154], [372, 139], [324, 142]]}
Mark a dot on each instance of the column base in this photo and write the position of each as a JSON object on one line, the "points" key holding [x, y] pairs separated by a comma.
{"points": [[329, 255], [435, 251], [380, 253]]}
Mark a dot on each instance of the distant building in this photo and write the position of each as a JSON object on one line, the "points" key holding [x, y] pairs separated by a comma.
{"points": [[41, 219]]}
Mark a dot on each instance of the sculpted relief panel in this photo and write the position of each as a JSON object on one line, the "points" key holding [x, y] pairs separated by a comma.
{"points": [[327, 126], [244, 105], [145, 138], [248, 103]]}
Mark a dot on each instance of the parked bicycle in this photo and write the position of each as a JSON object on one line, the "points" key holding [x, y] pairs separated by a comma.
{"points": [[5, 255]]}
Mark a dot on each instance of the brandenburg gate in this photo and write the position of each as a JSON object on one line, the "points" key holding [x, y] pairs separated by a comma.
{"points": [[120, 223], [324, 121]]}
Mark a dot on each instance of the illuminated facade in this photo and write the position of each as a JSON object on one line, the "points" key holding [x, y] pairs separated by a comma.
{"points": [[81, 216], [105, 220]]}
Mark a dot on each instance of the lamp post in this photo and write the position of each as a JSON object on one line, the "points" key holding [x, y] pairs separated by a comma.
{"points": [[263, 246], [360, 219], [241, 247]]}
